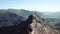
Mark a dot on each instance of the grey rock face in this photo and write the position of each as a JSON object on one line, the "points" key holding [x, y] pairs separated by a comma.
{"points": [[39, 26]]}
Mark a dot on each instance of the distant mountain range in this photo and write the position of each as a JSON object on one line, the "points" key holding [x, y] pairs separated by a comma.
{"points": [[52, 18], [9, 17]]}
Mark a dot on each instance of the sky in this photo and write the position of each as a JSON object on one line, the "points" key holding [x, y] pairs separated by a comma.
{"points": [[33, 5]]}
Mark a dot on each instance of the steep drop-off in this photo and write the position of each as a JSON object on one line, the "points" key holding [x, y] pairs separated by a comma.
{"points": [[33, 25]]}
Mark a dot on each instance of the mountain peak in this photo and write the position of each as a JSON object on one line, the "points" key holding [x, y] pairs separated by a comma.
{"points": [[33, 25], [39, 26]]}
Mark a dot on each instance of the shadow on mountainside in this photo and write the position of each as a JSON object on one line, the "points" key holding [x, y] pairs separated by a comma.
{"points": [[33, 25]]}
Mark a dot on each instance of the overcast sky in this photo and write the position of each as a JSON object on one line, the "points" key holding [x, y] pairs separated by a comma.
{"points": [[38, 5]]}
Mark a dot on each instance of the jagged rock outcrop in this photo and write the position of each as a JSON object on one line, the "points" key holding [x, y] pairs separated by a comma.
{"points": [[33, 25], [39, 26]]}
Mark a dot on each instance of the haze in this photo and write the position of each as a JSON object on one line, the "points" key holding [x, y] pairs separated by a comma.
{"points": [[34, 5]]}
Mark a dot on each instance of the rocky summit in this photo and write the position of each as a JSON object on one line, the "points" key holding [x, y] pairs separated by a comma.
{"points": [[33, 25]]}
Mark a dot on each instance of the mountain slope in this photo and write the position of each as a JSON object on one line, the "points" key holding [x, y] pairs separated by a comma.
{"points": [[9, 17], [33, 25], [50, 17], [15, 15]]}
